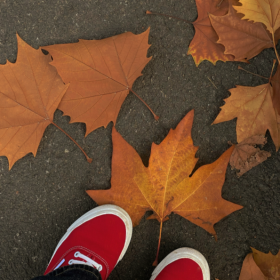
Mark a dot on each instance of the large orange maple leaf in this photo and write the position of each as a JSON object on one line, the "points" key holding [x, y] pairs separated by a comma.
{"points": [[165, 186], [101, 74], [30, 91]]}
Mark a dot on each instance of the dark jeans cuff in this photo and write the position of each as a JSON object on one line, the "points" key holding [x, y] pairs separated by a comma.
{"points": [[72, 272]]}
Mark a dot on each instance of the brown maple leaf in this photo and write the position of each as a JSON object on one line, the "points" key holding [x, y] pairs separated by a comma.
{"points": [[101, 74], [165, 186], [204, 45], [250, 271], [266, 12], [241, 38], [245, 155], [269, 264], [31, 90], [253, 108]]}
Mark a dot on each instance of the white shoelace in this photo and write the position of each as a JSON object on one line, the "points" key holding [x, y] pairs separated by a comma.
{"points": [[87, 259]]}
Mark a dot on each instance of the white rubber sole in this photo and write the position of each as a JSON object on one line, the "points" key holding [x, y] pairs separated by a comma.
{"points": [[183, 253], [98, 211]]}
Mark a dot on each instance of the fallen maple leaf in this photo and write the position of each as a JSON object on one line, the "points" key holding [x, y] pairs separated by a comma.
{"points": [[260, 266], [245, 155], [253, 108], [275, 81], [264, 11], [269, 264], [165, 186], [241, 38], [250, 271], [204, 45], [31, 90], [101, 74]]}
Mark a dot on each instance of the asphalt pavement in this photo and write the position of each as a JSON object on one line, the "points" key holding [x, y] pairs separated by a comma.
{"points": [[40, 197]]}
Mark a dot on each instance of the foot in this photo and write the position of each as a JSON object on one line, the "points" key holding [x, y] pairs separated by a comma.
{"points": [[99, 238], [184, 263]]}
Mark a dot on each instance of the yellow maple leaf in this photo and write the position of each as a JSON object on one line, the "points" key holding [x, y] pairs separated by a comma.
{"points": [[165, 186], [264, 11]]}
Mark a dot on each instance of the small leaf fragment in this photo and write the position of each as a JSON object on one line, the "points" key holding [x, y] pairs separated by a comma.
{"points": [[245, 155]]}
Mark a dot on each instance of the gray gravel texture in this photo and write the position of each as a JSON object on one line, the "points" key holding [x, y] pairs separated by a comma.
{"points": [[40, 197]]}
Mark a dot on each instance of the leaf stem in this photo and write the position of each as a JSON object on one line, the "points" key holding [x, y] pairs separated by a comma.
{"points": [[155, 263], [274, 62], [159, 14], [274, 46], [155, 116], [88, 158], [240, 68]]}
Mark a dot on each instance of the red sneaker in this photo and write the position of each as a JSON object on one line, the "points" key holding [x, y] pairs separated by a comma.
{"points": [[185, 264], [99, 238]]}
